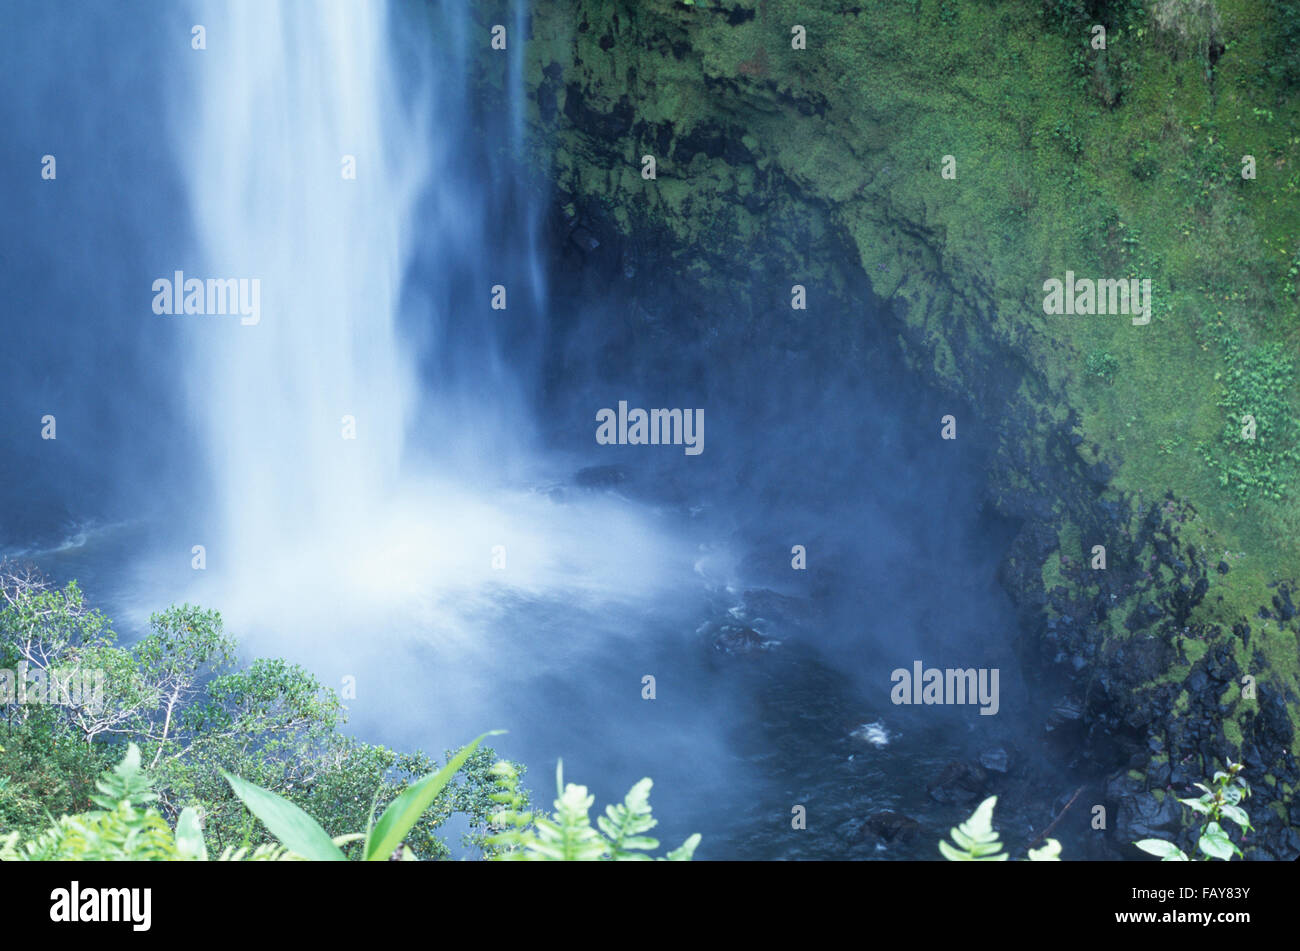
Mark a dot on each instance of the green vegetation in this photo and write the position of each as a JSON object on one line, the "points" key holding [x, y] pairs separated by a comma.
{"points": [[1259, 449], [124, 827], [1223, 801], [567, 835], [1102, 365], [128, 826], [197, 715], [244, 762], [1121, 162], [977, 841]]}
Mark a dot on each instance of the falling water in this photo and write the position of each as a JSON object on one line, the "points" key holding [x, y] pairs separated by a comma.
{"points": [[368, 448], [287, 95]]}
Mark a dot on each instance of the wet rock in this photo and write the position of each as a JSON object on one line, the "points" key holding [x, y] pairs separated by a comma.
{"points": [[1221, 665], [1283, 605], [957, 784], [738, 639], [1158, 773], [737, 632], [1066, 710], [1138, 813], [584, 240], [1180, 776], [892, 826], [995, 760], [1289, 848]]}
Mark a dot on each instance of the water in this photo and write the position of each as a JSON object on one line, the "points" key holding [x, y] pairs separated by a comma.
{"points": [[449, 559]]}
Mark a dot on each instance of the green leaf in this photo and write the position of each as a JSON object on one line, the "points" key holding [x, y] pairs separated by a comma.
{"points": [[189, 836], [1216, 844], [951, 854], [1197, 804], [976, 836], [1050, 852], [295, 830], [686, 851], [1167, 851], [1237, 815], [405, 811]]}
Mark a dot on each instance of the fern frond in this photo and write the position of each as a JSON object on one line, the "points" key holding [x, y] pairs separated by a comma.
{"points": [[976, 838]]}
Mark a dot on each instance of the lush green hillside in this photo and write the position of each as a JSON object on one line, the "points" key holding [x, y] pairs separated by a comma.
{"points": [[1118, 163]]}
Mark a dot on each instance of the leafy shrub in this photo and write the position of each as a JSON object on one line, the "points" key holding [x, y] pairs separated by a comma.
{"points": [[567, 834], [128, 826], [1103, 365], [1223, 801], [1259, 383], [195, 713], [125, 827], [1283, 63]]}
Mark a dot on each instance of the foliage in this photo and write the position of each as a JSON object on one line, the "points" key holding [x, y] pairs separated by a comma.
{"points": [[125, 827], [1220, 802], [1102, 365], [302, 836], [1258, 383], [567, 835], [977, 841], [196, 713], [1283, 63], [128, 826]]}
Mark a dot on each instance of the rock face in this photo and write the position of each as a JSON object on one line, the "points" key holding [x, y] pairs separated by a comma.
{"points": [[770, 165], [1141, 816], [961, 783], [739, 632], [892, 826]]}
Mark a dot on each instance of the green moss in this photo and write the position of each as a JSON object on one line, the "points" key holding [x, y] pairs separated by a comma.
{"points": [[1050, 178]]}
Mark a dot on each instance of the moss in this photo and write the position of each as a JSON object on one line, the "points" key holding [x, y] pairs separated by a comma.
{"points": [[847, 137]]}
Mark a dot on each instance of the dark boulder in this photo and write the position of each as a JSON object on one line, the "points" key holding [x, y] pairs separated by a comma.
{"points": [[958, 783]]}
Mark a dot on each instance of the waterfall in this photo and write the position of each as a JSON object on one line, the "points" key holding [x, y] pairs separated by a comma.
{"points": [[364, 436], [290, 100]]}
